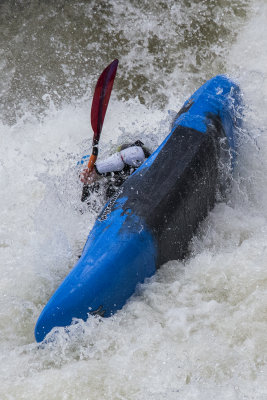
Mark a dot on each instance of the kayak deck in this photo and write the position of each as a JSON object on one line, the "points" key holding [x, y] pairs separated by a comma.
{"points": [[155, 213]]}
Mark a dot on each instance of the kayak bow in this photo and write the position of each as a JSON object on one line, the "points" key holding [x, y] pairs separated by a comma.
{"points": [[154, 214]]}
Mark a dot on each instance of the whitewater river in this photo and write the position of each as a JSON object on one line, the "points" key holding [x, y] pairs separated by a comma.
{"points": [[198, 329]]}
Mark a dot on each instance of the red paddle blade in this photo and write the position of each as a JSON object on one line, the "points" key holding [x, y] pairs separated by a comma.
{"points": [[101, 98]]}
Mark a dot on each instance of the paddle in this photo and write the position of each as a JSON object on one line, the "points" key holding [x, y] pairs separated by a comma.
{"points": [[98, 111], [99, 106]]}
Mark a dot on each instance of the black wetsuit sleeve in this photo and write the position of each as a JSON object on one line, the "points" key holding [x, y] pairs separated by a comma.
{"points": [[112, 182], [116, 179]]}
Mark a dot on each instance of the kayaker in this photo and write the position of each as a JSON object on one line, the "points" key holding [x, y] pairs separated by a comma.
{"points": [[116, 168]]}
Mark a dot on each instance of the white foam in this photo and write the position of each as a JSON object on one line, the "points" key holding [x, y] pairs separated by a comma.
{"points": [[197, 330]]}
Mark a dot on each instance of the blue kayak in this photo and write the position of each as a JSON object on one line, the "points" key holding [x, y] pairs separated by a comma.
{"points": [[154, 214]]}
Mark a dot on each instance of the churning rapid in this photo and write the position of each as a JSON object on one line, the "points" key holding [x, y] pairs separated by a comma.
{"points": [[197, 329]]}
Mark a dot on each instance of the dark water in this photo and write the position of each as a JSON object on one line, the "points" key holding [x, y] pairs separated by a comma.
{"points": [[54, 50], [197, 330]]}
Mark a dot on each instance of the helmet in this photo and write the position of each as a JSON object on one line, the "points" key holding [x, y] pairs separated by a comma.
{"points": [[133, 156], [136, 143]]}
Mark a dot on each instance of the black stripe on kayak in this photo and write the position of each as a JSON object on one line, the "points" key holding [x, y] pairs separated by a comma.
{"points": [[175, 193]]}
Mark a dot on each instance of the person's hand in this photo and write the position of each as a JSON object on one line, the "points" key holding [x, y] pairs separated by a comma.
{"points": [[87, 177]]}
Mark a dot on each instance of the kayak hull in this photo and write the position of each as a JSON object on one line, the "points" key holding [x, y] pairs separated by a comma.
{"points": [[155, 213]]}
